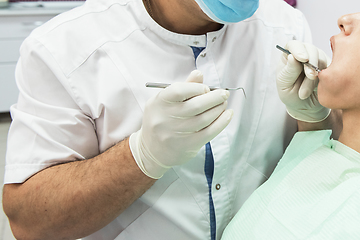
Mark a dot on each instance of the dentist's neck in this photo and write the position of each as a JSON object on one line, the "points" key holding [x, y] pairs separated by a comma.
{"points": [[184, 17]]}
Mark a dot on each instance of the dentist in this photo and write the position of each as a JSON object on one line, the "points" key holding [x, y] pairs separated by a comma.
{"points": [[93, 154]]}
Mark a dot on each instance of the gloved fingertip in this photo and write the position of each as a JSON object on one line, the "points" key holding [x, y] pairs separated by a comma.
{"points": [[229, 114], [206, 89], [291, 59], [293, 65], [311, 73], [195, 76], [302, 57], [197, 73], [298, 50], [225, 94], [304, 94]]}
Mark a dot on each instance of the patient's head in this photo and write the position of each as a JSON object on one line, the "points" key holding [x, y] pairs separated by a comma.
{"points": [[339, 84]]}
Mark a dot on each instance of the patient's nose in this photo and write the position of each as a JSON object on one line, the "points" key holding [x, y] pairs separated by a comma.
{"points": [[347, 22]]}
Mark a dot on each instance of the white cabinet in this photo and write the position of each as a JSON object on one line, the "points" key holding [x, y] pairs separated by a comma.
{"points": [[16, 23]]}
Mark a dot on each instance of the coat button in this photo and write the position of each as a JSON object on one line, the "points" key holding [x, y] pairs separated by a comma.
{"points": [[218, 186], [203, 55]]}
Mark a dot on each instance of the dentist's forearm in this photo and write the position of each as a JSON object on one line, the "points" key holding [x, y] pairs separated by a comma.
{"points": [[75, 199]]}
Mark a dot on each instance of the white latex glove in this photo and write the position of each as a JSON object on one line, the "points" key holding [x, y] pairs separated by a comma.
{"points": [[177, 122], [297, 83]]}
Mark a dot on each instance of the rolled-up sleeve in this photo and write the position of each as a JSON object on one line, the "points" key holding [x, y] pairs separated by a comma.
{"points": [[48, 126]]}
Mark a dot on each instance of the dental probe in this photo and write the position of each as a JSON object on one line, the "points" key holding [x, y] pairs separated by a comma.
{"points": [[164, 85], [307, 63]]}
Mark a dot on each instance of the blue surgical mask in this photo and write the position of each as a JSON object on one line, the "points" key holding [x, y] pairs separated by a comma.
{"points": [[228, 11]]}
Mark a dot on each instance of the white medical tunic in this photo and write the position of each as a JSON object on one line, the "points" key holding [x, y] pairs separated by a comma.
{"points": [[82, 88]]}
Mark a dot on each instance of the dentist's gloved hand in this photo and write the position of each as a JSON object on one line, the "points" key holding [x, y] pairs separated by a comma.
{"points": [[297, 83], [177, 122]]}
